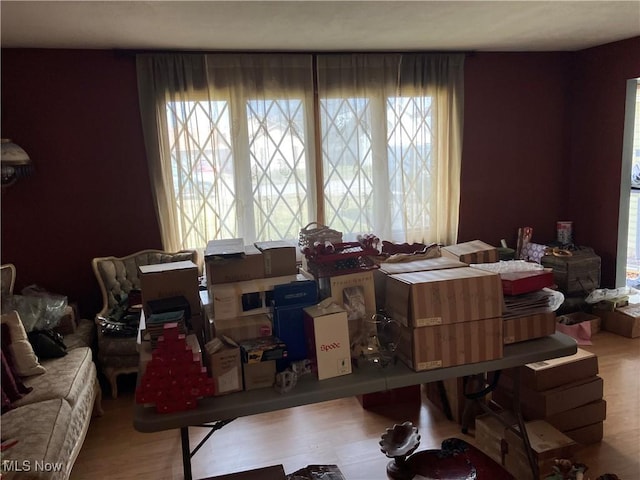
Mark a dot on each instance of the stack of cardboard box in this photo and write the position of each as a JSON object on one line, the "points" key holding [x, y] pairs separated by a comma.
{"points": [[566, 392], [444, 312]]}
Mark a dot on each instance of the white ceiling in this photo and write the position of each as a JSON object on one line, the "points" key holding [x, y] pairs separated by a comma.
{"points": [[319, 25]]}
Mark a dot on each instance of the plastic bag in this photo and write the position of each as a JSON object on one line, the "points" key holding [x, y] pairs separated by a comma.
{"points": [[42, 311], [609, 294]]}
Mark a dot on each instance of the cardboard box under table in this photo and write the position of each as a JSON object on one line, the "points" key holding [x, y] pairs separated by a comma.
{"points": [[438, 346], [419, 299]]}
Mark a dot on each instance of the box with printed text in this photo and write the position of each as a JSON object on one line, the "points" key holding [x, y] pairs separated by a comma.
{"points": [[327, 334]]}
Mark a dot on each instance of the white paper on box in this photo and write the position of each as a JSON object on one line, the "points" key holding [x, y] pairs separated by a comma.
{"points": [[229, 381], [228, 297]]}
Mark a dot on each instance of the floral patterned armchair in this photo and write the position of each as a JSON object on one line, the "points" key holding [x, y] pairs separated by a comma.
{"points": [[117, 277]]}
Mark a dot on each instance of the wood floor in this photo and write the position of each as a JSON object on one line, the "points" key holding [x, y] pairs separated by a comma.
{"points": [[342, 432]]}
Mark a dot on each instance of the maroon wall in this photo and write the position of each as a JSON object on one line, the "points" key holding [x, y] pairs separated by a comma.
{"points": [[515, 146], [599, 82], [76, 114]]}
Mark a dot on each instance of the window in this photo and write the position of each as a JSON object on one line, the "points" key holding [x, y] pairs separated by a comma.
{"points": [[258, 146]]}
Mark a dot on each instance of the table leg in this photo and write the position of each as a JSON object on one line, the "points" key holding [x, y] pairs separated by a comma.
{"points": [[186, 453], [523, 431]]}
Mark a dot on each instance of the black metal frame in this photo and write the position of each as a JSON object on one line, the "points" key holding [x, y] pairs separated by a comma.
{"points": [[187, 453]]}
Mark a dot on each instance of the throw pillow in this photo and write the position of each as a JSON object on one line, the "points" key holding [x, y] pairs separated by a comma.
{"points": [[25, 360], [12, 387]]}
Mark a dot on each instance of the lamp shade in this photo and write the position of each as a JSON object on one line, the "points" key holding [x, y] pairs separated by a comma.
{"points": [[15, 162]]}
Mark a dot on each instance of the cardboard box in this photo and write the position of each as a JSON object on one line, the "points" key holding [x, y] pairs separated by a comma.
{"points": [[250, 297], [171, 279], [578, 317], [547, 443], [579, 417], [259, 375], [327, 333], [243, 328], [527, 327], [279, 258], [437, 346], [542, 404], [475, 251], [247, 265], [275, 472], [262, 349], [555, 372], [420, 299], [381, 274], [222, 359], [410, 394], [623, 321], [490, 432], [517, 283], [588, 434]]}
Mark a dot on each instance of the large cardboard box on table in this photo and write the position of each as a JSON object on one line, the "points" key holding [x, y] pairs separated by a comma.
{"points": [[438, 346], [527, 327], [279, 258], [259, 375], [229, 261], [249, 297], [222, 359], [381, 274], [172, 279], [419, 299], [475, 251], [327, 334], [623, 321]]}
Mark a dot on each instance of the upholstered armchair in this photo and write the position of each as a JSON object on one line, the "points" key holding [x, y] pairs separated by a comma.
{"points": [[117, 277]]}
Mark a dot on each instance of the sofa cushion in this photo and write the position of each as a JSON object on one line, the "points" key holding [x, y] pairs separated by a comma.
{"points": [[40, 429], [65, 378], [25, 360], [83, 336]]}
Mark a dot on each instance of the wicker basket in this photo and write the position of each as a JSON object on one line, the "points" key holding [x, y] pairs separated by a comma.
{"points": [[315, 232]]}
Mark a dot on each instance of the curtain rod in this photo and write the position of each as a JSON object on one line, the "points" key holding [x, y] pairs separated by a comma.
{"points": [[133, 52]]}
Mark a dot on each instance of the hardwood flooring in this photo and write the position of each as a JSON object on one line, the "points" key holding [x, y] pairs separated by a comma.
{"points": [[341, 432]]}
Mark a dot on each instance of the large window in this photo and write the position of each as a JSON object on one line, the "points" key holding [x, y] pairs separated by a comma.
{"points": [[258, 146]]}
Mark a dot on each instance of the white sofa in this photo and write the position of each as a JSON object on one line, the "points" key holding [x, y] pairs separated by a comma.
{"points": [[50, 422]]}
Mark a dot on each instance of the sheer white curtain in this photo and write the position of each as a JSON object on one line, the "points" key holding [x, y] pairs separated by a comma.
{"points": [[230, 145], [391, 144], [232, 141]]}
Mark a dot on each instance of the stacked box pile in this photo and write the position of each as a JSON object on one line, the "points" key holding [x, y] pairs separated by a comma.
{"points": [[173, 287], [565, 392], [444, 313], [506, 446], [174, 379]]}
